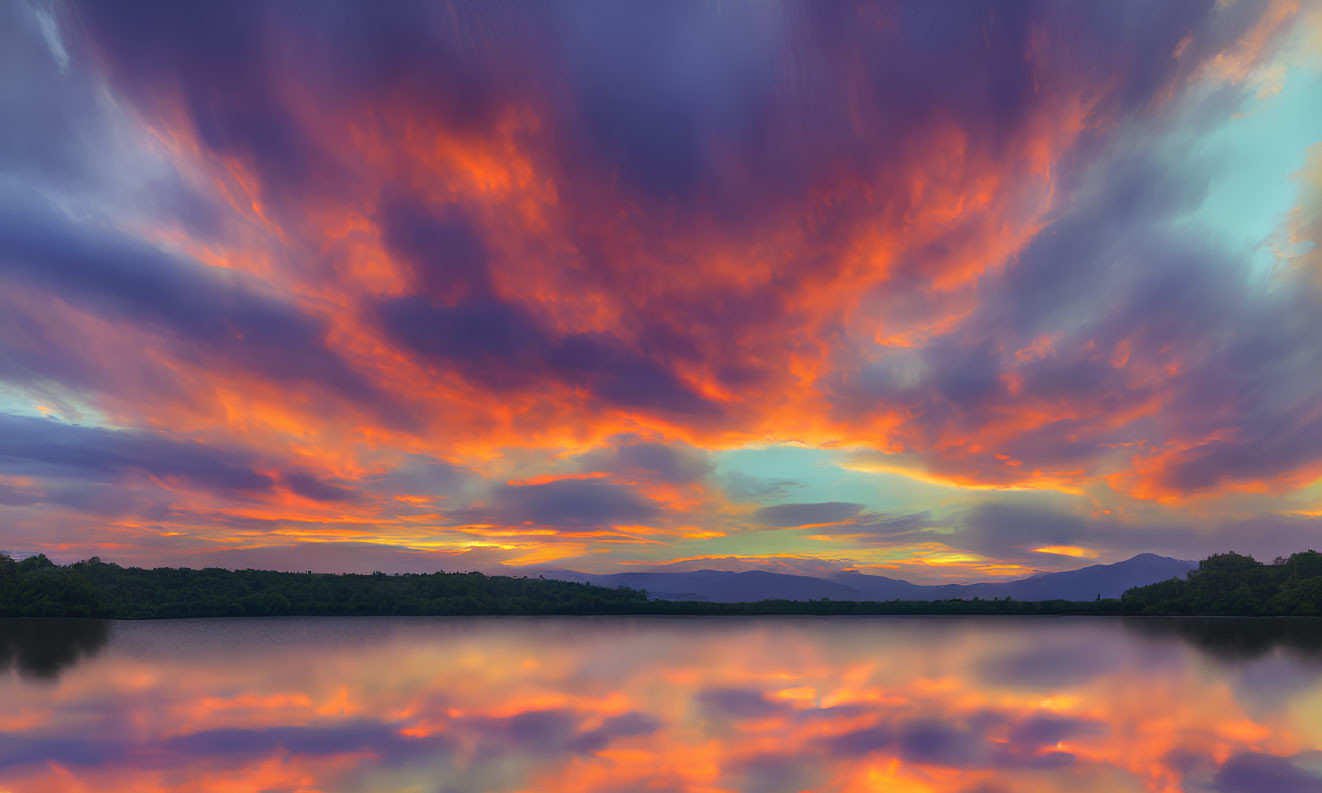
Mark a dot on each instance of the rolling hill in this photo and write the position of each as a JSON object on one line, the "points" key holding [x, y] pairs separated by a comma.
{"points": [[719, 586]]}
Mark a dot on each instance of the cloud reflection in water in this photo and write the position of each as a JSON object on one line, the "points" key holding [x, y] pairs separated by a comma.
{"points": [[612, 705]]}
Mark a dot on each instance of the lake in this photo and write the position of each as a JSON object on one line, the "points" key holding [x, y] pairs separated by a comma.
{"points": [[615, 705]]}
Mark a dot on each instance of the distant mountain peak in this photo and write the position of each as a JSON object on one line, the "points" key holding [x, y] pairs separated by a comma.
{"points": [[1085, 583]]}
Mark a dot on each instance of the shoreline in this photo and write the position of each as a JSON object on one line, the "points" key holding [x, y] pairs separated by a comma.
{"points": [[1300, 618]]}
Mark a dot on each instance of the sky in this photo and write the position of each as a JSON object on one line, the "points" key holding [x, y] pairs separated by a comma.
{"points": [[939, 291]]}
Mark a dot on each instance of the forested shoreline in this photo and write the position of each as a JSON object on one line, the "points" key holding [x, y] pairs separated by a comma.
{"points": [[1233, 584], [1224, 584]]}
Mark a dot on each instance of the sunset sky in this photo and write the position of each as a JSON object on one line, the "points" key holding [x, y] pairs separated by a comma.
{"points": [[939, 291]]}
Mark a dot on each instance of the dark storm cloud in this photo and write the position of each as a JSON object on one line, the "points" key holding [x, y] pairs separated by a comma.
{"points": [[19, 750], [572, 502], [122, 279], [739, 703], [861, 742], [492, 342], [315, 488], [443, 247], [34, 445], [674, 463], [46, 448], [619, 376], [633, 724], [456, 319], [501, 345], [1045, 730], [998, 527], [1251, 772]]}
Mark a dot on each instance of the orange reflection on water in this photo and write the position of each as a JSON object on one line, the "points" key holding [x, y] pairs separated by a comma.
{"points": [[604, 705]]}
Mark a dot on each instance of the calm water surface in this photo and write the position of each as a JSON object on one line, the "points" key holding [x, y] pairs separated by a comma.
{"points": [[610, 705]]}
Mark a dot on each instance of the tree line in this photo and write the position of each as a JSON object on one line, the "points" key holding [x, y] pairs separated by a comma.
{"points": [[36, 587], [1228, 584], [1233, 584]]}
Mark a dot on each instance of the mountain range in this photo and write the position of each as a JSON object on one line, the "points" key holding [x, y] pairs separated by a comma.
{"points": [[721, 586]]}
